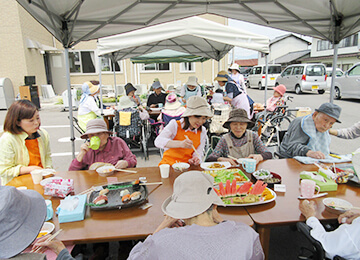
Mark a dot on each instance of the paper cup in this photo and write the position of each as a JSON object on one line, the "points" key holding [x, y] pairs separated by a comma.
{"points": [[36, 176], [164, 170]]}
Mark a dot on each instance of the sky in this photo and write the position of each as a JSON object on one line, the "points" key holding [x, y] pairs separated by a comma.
{"points": [[241, 53]]}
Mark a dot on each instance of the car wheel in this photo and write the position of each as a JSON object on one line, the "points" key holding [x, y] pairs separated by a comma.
{"points": [[298, 89], [247, 83], [260, 86], [321, 91], [337, 94]]}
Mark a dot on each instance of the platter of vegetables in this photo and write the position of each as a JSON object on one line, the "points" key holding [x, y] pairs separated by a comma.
{"points": [[228, 174]]}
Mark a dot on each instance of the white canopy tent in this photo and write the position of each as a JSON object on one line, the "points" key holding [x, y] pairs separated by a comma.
{"points": [[72, 21]]}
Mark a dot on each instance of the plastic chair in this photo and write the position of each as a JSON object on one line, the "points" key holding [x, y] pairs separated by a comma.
{"points": [[214, 141]]}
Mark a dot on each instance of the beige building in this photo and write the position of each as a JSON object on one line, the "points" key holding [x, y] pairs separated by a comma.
{"points": [[28, 49]]}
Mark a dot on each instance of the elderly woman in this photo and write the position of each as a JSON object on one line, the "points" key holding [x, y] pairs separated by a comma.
{"points": [[191, 88], [130, 92], [193, 229], [88, 109], [111, 149], [179, 137], [24, 146], [239, 143], [236, 75]]}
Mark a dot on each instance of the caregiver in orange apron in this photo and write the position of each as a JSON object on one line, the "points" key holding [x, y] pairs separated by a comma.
{"points": [[173, 138]]}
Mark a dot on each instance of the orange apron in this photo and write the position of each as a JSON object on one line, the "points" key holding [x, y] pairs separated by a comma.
{"points": [[174, 155], [34, 153]]}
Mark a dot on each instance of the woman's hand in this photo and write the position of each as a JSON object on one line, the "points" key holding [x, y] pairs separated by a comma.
{"points": [[194, 161], [54, 245], [122, 164], [153, 105], [84, 148], [166, 223], [307, 208], [349, 216], [224, 159], [315, 154], [28, 169], [186, 144], [257, 157]]}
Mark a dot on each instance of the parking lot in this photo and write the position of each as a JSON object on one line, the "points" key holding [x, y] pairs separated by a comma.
{"points": [[57, 124]]}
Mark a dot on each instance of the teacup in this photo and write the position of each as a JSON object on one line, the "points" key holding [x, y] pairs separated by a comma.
{"points": [[160, 105], [307, 188], [94, 142], [249, 165], [49, 210]]}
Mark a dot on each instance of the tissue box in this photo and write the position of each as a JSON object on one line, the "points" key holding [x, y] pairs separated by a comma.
{"points": [[77, 214], [329, 185], [59, 187]]}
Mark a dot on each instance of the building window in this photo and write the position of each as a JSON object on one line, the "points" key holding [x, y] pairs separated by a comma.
{"points": [[82, 62], [187, 67], [155, 67], [107, 64], [349, 41]]}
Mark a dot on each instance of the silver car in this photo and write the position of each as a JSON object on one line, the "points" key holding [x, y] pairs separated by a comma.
{"points": [[304, 77], [348, 85]]}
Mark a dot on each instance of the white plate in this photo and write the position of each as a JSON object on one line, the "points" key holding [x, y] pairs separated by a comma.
{"points": [[155, 108], [206, 166], [47, 180], [331, 203], [46, 172], [47, 227]]}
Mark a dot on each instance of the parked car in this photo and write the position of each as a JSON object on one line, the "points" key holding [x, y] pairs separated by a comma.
{"points": [[348, 85], [245, 72], [256, 76], [339, 73], [304, 77]]}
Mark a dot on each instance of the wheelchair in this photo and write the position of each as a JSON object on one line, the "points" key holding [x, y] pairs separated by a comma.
{"points": [[136, 134]]}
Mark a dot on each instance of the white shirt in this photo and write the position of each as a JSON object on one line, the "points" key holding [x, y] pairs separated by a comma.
{"points": [[343, 241], [170, 131], [89, 105]]}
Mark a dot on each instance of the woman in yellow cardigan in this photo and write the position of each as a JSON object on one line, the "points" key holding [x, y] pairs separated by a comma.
{"points": [[24, 146]]}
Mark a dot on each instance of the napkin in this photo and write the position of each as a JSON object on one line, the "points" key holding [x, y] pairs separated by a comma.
{"points": [[125, 118], [69, 204]]}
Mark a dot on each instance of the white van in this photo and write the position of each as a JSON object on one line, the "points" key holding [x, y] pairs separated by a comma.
{"points": [[256, 76]]}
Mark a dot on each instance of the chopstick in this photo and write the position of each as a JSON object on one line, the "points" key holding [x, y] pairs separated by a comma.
{"points": [[47, 240], [123, 170], [232, 157], [151, 183], [345, 207], [86, 191], [193, 147]]}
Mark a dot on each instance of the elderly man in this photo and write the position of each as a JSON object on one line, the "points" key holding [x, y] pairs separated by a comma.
{"points": [[157, 97], [309, 135], [344, 241]]}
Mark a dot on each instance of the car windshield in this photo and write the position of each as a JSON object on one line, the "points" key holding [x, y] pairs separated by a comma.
{"points": [[315, 70], [274, 70]]}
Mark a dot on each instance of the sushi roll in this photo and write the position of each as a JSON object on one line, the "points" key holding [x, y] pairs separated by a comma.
{"points": [[136, 185], [135, 195], [104, 192], [125, 198], [124, 192], [100, 200]]}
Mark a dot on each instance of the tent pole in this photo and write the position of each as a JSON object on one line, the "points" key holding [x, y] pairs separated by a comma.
{"points": [[101, 100], [174, 73], [67, 67], [336, 45], [202, 69], [125, 70], [115, 82], [266, 78]]}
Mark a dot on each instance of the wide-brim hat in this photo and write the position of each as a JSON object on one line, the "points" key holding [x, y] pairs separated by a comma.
{"points": [[197, 106], [234, 66], [94, 89], [22, 214], [281, 89], [193, 194], [172, 102], [95, 126], [125, 102], [129, 87], [238, 115], [192, 81], [331, 110], [222, 76]]}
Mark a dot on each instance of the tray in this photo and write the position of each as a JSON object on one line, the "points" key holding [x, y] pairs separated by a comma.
{"points": [[114, 199], [214, 173]]}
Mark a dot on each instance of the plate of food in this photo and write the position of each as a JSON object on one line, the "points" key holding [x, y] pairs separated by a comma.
{"points": [[209, 166], [47, 228], [336, 205], [118, 195], [228, 174], [47, 180], [244, 194]]}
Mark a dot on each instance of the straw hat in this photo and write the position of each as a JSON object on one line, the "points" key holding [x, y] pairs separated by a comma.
{"points": [[172, 102], [129, 87], [192, 81], [125, 102], [95, 126], [22, 214], [222, 76], [193, 194], [331, 110], [234, 66], [281, 89], [197, 106], [238, 115]]}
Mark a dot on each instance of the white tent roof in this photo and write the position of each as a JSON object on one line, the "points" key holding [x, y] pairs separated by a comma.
{"points": [[71, 21], [192, 35]]}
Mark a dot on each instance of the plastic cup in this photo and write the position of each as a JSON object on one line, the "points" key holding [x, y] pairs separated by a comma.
{"points": [[36, 176], [160, 105], [94, 142], [49, 210], [249, 165], [307, 188], [164, 170]]}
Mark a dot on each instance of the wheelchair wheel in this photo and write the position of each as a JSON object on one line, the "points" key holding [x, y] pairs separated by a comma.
{"points": [[143, 141]]}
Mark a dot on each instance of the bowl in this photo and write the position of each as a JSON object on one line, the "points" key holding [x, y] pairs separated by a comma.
{"points": [[332, 203], [180, 167], [47, 228], [271, 180], [106, 170]]}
